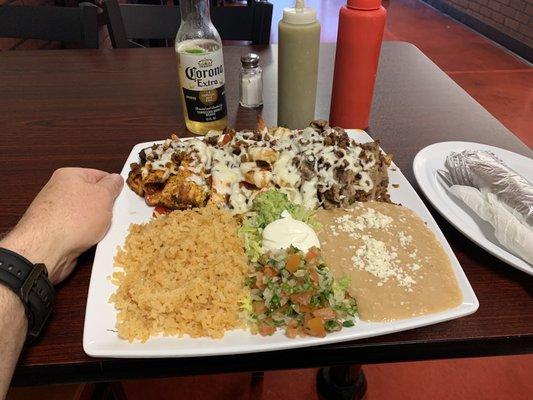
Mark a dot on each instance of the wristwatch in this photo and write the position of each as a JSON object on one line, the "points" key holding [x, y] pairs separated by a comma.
{"points": [[30, 282]]}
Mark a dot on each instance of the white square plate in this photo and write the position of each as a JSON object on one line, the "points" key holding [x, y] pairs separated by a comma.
{"points": [[100, 338]]}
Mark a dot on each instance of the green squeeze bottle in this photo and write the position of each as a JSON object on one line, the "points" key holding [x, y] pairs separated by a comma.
{"points": [[299, 43]]}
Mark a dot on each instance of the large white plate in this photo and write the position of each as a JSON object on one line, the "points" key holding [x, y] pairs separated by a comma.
{"points": [[100, 339], [425, 166]]}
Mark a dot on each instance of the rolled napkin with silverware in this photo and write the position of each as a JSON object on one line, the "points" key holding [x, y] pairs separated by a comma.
{"points": [[497, 194]]}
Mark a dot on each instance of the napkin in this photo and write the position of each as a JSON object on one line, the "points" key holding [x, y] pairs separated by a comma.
{"points": [[509, 231]]}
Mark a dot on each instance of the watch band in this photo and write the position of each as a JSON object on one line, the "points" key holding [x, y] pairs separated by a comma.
{"points": [[30, 282]]}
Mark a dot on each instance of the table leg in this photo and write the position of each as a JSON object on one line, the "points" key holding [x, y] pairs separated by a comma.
{"points": [[109, 391], [256, 386], [345, 382], [118, 391], [102, 391]]}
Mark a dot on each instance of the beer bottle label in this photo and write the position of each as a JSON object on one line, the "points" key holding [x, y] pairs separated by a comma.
{"points": [[202, 81]]}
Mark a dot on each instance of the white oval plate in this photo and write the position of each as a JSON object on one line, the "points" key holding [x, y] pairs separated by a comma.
{"points": [[425, 166], [101, 340]]}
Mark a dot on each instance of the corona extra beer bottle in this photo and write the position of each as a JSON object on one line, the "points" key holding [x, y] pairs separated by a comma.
{"points": [[200, 69]]}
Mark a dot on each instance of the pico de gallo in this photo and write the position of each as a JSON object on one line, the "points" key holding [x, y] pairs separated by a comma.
{"points": [[295, 291]]}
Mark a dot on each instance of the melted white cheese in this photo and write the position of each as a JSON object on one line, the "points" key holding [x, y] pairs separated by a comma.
{"points": [[226, 166], [309, 194], [284, 173]]}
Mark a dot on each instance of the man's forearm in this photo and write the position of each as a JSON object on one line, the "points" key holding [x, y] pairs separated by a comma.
{"points": [[13, 327], [70, 214], [13, 320]]}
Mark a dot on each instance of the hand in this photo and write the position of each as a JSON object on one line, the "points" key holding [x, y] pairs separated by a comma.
{"points": [[71, 213]]}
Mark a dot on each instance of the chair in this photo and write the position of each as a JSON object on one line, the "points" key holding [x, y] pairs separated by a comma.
{"points": [[140, 21], [64, 24]]}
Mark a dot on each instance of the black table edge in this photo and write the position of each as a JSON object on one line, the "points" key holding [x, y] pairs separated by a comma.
{"points": [[106, 370]]}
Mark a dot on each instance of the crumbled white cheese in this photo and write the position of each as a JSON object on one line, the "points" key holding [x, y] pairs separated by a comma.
{"points": [[375, 258], [404, 239], [370, 219]]}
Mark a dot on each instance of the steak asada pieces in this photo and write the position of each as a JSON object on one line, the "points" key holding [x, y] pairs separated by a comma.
{"points": [[316, 166]]}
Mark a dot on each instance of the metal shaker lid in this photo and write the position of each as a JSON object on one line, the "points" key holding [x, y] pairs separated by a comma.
{"points": [[250, 60]]}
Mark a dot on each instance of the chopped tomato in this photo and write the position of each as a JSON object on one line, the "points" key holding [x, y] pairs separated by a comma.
{"points": [[226, 138], [259, 281], [259, 307], [293, 261], [292, 323], [304, 308], [161, 210], [301, 298], [266, 330], [311, 254], [269, 271], [314, 275], [315, 327], [324, 313]]}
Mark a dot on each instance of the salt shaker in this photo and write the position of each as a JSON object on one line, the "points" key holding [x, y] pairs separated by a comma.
{"points": [[251, 81]]}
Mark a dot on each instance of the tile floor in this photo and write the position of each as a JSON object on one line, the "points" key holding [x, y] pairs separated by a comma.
{"points": [[495, 378]]}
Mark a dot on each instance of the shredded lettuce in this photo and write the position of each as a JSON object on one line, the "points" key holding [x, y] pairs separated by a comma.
{"points": [[339, 287], [246, 310], [341, 284], [266, 208], [246, 304]]}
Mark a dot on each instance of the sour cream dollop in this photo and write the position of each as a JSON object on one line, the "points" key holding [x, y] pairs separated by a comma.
{"points": [[287, 231]]}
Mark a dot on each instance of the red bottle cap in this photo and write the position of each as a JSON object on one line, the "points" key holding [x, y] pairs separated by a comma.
{"points": [[364, 4]]}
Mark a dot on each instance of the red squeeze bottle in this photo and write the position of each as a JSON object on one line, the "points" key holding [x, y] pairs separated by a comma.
{"points": [[361, 25]]}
